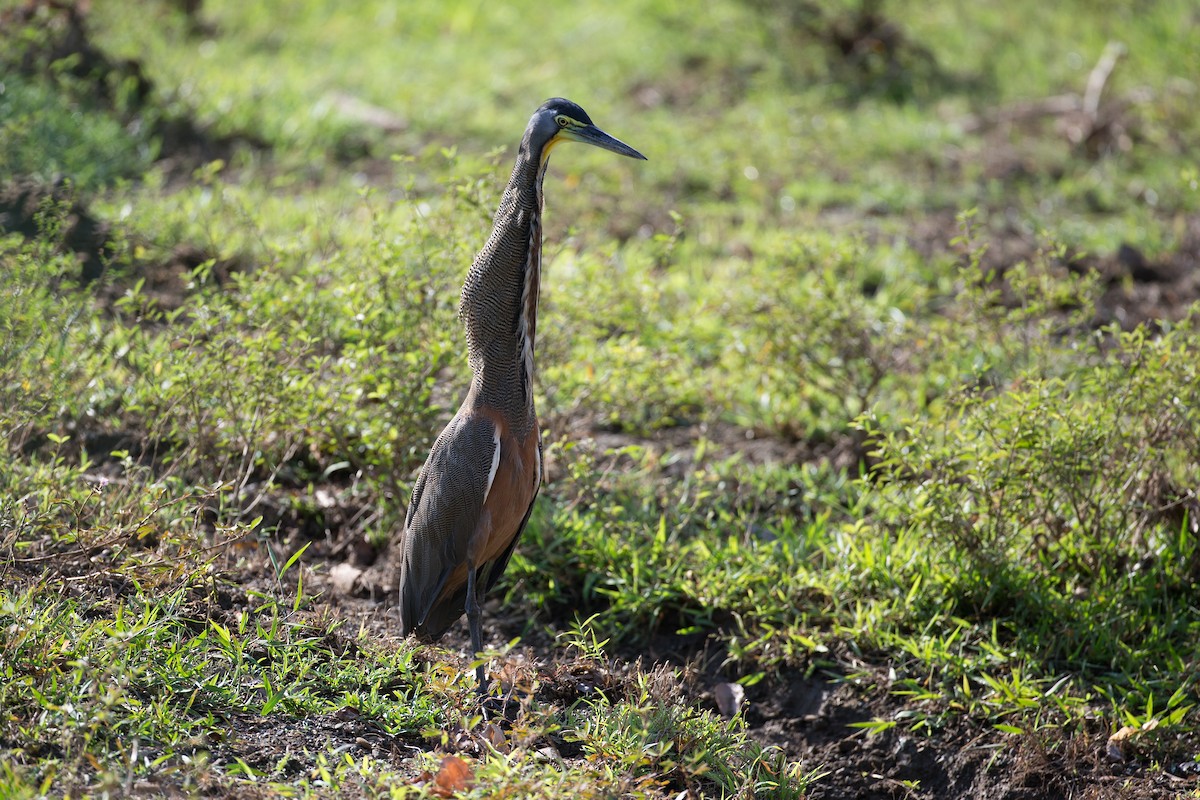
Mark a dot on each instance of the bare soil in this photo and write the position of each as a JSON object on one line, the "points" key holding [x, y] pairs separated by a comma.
{"points": [[185, 142], [807, 712], [1136, 288]]}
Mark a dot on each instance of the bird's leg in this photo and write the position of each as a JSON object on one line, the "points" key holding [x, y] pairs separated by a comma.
{"points": [[475, 621]]}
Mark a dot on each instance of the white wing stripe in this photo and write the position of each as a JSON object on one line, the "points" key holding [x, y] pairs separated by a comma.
{"points": [[538, 482], [495, 464]]}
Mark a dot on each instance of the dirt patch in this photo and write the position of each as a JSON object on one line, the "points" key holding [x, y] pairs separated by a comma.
{"points": [[168, 278], [1143, 290], [1093, 122], [285, 747], [810, 718], [61, 45], [63, 42], [34, 209], [50, 41], [808, 714], [868, 52], [1136, 289], [58, 215], [674, 450]]}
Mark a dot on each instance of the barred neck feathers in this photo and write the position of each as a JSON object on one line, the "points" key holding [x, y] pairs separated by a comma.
{"points": [[500, 296]]}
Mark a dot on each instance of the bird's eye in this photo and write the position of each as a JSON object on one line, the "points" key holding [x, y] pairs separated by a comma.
{"points": [[561, 120]]}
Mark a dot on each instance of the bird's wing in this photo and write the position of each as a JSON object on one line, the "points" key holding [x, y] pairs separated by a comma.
{"points": [[444, 512]]}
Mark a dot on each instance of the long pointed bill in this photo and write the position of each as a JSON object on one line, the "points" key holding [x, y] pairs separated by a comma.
{"points": [[590, 134]]}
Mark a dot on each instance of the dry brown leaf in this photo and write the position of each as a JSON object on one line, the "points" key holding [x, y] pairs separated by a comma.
{"points": [[1115, 749], [495, 736], [454, 775]]}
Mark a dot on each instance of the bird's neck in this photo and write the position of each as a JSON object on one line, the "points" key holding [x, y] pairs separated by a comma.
{"points": [[500, 297]]}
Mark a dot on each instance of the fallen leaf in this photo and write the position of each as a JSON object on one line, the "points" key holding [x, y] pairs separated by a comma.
{"points": [[729, 698], [454, 775], [495, 737], [325, 499], [343, 577], [1114, 749], [549, 753]]}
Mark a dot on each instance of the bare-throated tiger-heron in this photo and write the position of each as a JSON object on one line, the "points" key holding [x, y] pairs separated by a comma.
{"points": [[476, 490]]}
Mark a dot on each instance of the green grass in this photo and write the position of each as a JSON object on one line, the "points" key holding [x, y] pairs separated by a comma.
{"points": [[972, 489], [136, 660]]}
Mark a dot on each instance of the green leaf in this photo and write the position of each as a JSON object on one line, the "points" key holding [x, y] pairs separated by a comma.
{"points": [[295, 557]]}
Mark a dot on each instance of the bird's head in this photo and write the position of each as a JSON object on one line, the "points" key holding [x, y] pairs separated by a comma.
{"points": [[560, 120]]}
